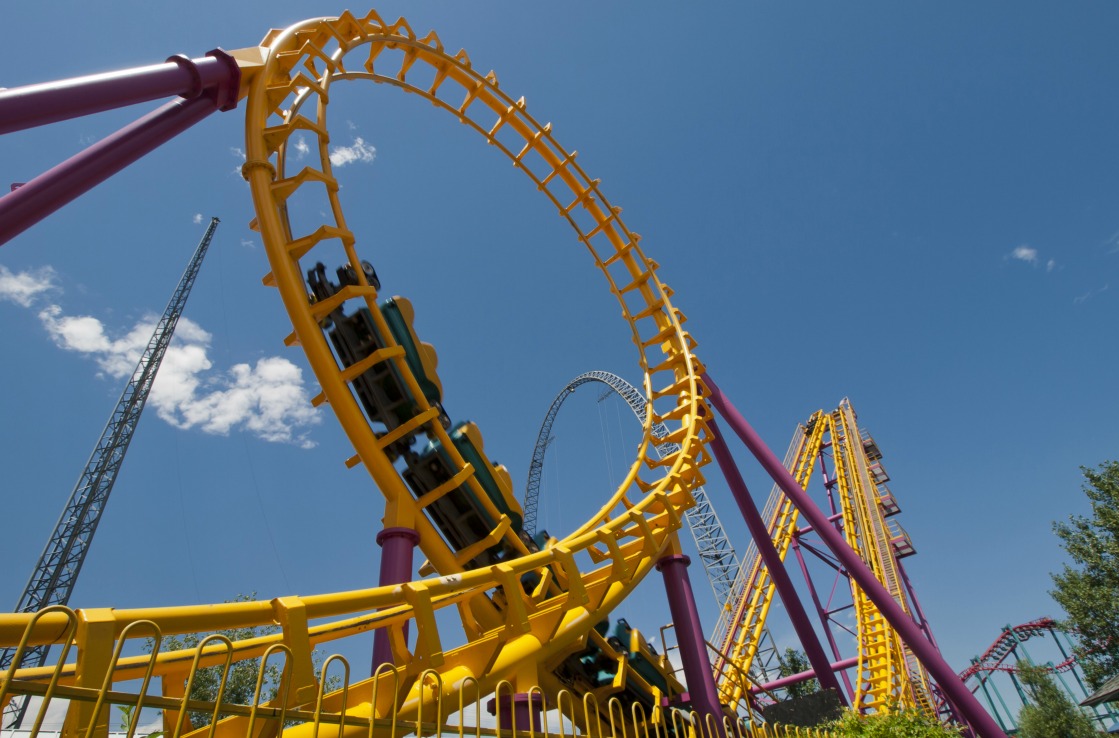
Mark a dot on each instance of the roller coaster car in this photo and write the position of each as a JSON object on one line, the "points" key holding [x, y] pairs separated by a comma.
{"points": [[463, 519], [623, 667], [323, 288], [380, 389], [643, 657]]}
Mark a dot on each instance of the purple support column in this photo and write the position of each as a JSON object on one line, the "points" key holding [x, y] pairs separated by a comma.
{"points": [[50, 102], [823, 614], [397, 545], [526, 714], [35, 200], [773, 564], [689, 636], [955, 690]]}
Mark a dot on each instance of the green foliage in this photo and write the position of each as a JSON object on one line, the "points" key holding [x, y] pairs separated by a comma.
{"points": [[1089, 590], [1052, 714], [241, 684], [905, 724], [795, 662], [126, 713]]}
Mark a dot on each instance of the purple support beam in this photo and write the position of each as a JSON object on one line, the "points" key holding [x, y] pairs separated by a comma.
{"points": [[803, 676], [963, 700], [397, 545], [689, 637], [822, 613], [31, 202], [526, 715], [773, 564], [50, 102]]}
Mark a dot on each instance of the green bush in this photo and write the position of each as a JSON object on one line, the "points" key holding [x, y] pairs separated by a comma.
{"points": [[892, 725]]}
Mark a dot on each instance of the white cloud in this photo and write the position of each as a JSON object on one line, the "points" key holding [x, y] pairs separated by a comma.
{"points": [[248, 244], [23, 287], [360, 152], [1050, 265], [301, 148], [197, 218], [269, 399], [1025, 253], [239, 154]]}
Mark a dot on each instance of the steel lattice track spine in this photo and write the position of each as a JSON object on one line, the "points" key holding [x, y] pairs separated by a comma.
{"points": [[56, 572], [715, 550]]}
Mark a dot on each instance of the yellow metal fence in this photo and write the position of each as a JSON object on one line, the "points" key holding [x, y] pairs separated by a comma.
{"points": [[158, 703]]}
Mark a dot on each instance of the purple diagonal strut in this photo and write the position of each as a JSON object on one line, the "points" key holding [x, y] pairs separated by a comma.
{"points": [[214, 86], [50, 102], [965, 702], [776, 568]]}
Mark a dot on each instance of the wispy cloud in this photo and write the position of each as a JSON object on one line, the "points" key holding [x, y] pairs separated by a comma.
{"points": [[1031, 256], [23, 287], [1113, 242], [268, 399], [239, 154], [301, 148], [1090, 294], [359, 152], [1024, 253], [197, 218]]}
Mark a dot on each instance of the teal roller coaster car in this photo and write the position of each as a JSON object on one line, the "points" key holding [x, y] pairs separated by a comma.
{"points": [[381, 390], [461, 517]]}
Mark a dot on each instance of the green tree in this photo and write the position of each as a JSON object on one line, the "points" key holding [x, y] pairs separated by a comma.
{"points": [[240, 685], [905, 724], [1088, 590], [795, 662], [1051, 714]]}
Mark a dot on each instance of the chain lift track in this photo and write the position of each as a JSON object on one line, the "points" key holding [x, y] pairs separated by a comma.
{"points": [[889, 677]]}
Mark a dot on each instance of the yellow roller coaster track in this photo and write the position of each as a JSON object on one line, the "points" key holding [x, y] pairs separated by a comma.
{"points": [[889, 677], [289, 80]]}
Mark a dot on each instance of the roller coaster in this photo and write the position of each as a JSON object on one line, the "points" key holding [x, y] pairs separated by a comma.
{"points": [[498, 611], [999, 664]]}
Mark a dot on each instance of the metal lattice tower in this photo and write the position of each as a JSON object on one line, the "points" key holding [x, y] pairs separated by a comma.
{"points": [[54, 576]]}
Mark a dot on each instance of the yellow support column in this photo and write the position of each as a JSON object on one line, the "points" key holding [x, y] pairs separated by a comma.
{"points": [[95, 637]]}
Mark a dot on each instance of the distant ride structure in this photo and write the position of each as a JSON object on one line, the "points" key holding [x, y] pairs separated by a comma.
{"points": [[495, 611], [715, 550], [994, 674], [56, 572], [861, 508]]}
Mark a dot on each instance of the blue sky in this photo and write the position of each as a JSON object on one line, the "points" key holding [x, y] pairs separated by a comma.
{"points": [[912, 206]]}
